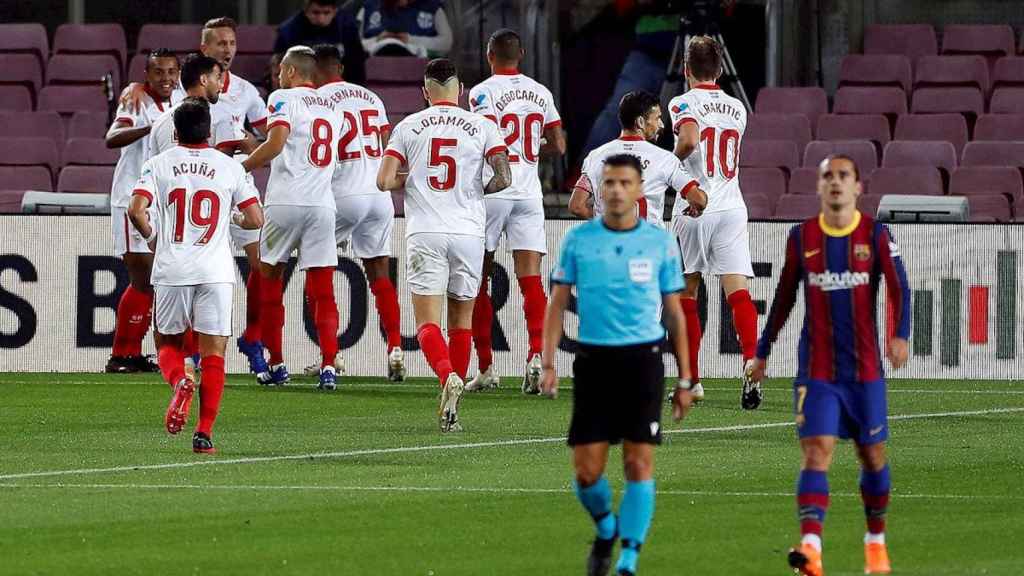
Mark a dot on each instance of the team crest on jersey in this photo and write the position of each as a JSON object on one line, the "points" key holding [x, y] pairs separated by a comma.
{"points": [[862, 252], [425, 20]]}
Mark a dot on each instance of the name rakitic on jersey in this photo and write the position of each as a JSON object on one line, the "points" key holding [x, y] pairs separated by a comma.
{"points": [[719, 108], [438, 120], [514, 95], [197, 168]]}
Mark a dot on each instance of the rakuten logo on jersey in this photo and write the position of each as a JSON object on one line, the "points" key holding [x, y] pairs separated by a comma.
{"points": [[829, 281]]}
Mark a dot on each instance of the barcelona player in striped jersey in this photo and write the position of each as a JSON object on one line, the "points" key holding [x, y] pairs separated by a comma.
{"points": [[839, 392]]}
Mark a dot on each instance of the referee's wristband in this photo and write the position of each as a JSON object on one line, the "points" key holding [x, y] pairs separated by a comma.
{"points": [[684, 384]]}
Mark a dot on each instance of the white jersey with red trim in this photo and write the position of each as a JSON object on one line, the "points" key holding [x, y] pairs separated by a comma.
{"points": [[193, 189], [363, 119], [445, 149], [224, 131], [129, 165], [523, 109], [239, 99], [301, 174], [721, 120], [662, 170]]}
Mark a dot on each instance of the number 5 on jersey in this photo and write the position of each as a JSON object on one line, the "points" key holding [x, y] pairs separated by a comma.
{"points": [[442, 164]]}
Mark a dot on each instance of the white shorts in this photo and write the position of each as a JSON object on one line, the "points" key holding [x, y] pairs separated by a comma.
{"points": [[126, 237], [715, 243], [310, 229], [206, 308], [367, 220], [522, 221], [240, 237], [440, 264]]}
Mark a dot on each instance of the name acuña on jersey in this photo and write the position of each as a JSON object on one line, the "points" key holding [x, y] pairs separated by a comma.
{"points": [[199, 168], [829, 281], [458, 122]]}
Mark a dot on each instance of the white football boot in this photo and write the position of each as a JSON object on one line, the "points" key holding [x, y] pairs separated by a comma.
{"points": [[484, 380], [531, 381], [448, 412]]}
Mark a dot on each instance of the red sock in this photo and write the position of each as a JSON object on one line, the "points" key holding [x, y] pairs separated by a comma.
{"points": [[134, 313], [386, 298], [483, 318], [693, 335], [172, 363], [272, 316], [189, 345], [534, 304], [210, 392], [434, 348], [460, 346], [252, 307], [320, 287], [744, 318]]}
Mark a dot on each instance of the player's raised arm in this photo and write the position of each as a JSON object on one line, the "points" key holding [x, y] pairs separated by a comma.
{"points": [[897, 290], [785, 298], [123, 132]]}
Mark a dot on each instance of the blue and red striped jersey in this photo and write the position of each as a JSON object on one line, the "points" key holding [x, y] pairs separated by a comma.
{"points": [[840, 271]]}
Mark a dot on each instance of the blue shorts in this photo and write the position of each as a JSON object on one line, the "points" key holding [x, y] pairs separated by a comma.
{"points": [[849, 410]]}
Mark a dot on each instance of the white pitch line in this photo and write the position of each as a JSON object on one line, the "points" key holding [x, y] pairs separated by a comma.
{"points": [[435, 447], [469, 489]]}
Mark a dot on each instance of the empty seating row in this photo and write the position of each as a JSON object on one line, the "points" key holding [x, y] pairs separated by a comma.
{"points": [[915, 40], [990, 208]]}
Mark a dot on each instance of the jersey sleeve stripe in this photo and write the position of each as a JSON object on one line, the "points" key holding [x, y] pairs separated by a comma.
{"points": [[491, 117], [395, 154], [385, 127], [144, 193], [259, 122], [686, 189], [496, 150], [682, 121], [249, 202], [229, 144], [279, 123], [552, 124], [126, 119]]}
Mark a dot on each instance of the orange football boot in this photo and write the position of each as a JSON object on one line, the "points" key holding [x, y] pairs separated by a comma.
{"points": [[806, 561], [876, 559]]}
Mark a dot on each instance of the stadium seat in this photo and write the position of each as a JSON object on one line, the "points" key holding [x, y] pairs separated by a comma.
{"points": [[26, 178], [22, 70], [256, 39], [769, 154], [15, 98], [41, 124], [1000, 127], [70, 99], [868, 204], [136, 69], [918, 180], [962, 100], [96, 179], [973, 180], [989, 207], [803, 182], [10, 201], [862, 151], [83, 69], [30, 152], [952, 71], [89, 152], [991, 41], [382, 70], [873, 127], [938, 154], [1007, 100], [253, 67], [92, 39], [402, 99], [889, 101], [980, 153], [25, 39], [178, 38], [791, 207], [891, 70], [910, 40], [1009, 71], [769, 182], [793, 127], [759, 206], [949, 127], [88, 125]]}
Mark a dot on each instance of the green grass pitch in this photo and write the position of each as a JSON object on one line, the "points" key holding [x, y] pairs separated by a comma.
{"points": [[361, 482]]}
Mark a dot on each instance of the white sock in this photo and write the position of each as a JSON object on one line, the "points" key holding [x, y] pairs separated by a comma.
{"points": [[870, 538], [813, 539]]}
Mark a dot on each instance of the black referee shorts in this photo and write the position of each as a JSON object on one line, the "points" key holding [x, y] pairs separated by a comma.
{"points": [[617, 394]]}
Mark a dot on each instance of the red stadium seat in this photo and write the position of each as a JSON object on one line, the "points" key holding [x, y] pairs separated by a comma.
{"points": [[88, 125], [41, 124], [15, 98], [30, 152], [92, 39], [22, 70], [793, 127], [938, 154], [178, 38], [920, 180], [1007, 100], [810, 101], [960, 100], [89, 152], [993, 154], [949, 127], [952, 71], [1000, 127], [25, 39], [92, 179], [759, 206], [862, 152], [791, 207], [253, 67], [83, 69], [968, 181], [868, 204], [910, 40], [871, 100], [1009, 71], [769, 182], [26, 178], [256, 39], [873, 127], [990, 41], [10, 201], [804, 182], [769, 154], [402, 99], [988, 208], [137, 69], [382, 70], [70, 99], [875, 70]]}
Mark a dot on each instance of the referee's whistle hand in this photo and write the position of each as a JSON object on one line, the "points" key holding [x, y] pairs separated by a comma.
{"points": [[549, 383]]}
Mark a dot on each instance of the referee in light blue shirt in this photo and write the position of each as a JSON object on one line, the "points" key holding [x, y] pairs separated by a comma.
{"points": [[627, 277]]}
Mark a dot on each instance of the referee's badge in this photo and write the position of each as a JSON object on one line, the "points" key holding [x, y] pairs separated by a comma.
{"points": [[641, 270]]}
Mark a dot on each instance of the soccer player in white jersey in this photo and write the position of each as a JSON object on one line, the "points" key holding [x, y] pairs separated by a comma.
{"points": [[525, 112], [364, 217], [130, 132], [709, 127], [640, 116], [192, 189], [437, 157], [302, 142]]}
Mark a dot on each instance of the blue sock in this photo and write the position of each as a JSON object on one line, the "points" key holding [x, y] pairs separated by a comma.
{"points": [[597, 499], [635, 513], [812, 500]]}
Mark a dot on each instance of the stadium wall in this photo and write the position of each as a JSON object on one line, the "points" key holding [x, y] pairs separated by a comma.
{"points": [[59, 286]]}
